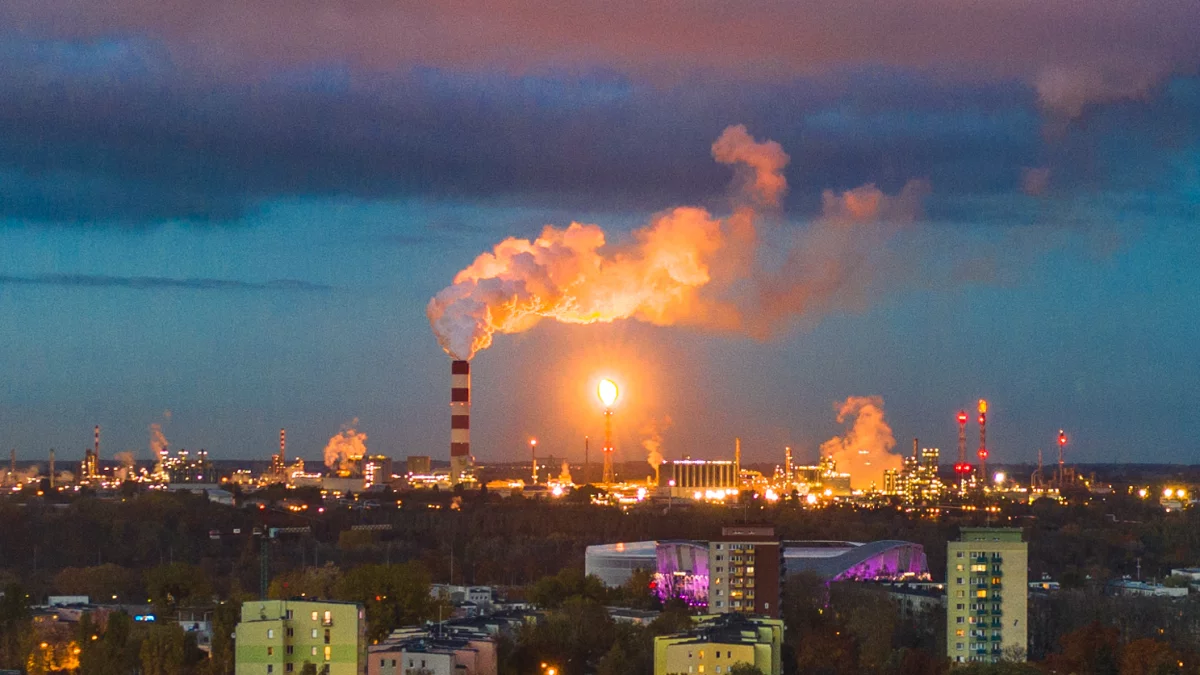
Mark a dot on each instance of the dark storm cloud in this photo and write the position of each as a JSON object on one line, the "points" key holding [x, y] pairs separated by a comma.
{"points": [[120, 130], [156, 283]]}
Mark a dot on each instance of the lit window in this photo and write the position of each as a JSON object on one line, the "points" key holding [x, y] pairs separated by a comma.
{"points": [[270, 651], [328, 653], [270, 633], [958, 633], [314, 633], [314, 616], [314, 651]]}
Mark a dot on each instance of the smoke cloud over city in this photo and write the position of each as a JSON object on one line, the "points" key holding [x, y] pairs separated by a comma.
{"points": [[865, 450], [686, 267], [346, 449]]}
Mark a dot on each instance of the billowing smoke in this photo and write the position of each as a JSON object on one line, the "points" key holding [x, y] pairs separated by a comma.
{"points": [[344, 452], [158, 441], [864, 451], [126, 460], [575, 275], [653, 431], [564, 474], [686, 267]]}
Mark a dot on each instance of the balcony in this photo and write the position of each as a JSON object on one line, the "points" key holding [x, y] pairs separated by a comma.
{"points": [[981, 559], [982, 585], [996, 612], [997, 586], [996, 572], [995, 638], [981, 612]]}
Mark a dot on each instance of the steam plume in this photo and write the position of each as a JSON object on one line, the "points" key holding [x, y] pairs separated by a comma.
{"points": [[158, 441], [653, 431], [686, 266], [346, 449], [574, 275], [865, 450]]}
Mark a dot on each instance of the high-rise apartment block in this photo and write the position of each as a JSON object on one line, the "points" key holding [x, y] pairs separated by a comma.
{"points": [[745, 567], [986, 595], [280, 636]]}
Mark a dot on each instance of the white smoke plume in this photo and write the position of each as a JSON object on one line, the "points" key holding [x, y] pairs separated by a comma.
{"points": [[564, 474], [127, 463], [345, 450], [575, 275], [158, 441], [652, 443], [686, 267], [864, 451]]}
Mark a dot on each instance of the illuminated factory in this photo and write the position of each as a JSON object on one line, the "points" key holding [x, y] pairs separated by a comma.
{"points": [[918, 479]]}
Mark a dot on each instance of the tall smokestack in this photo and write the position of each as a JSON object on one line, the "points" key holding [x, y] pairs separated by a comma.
{"points": [[460, 421], [787, 464], [96, 449], [737, 459], [51, 468], [283, 446], [983, 451]]}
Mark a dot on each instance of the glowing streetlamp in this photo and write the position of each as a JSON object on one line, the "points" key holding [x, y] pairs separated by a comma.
{"points": [[607, 391]]}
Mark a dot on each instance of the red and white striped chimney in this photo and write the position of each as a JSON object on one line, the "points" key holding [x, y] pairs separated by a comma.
{"points": [[460, 420]]}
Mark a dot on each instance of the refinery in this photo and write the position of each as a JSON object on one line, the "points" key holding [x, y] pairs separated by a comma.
{"points": [[917, 481]]}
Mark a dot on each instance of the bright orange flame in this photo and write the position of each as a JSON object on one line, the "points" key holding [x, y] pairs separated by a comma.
{"points": [[982, 406], [607, 391]]}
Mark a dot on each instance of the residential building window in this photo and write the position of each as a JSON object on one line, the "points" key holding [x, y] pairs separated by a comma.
{"points": [[326, 636], [289, 615], [270, 651], [270, 633], [290, 631], [314, 651], [957, 619], [314, 633], [270, 668], [290, 649], [314, 615], [329, 653], [287, 668], [958, 580], [958, 554]]}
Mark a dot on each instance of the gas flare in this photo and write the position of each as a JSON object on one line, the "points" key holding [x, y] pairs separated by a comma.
{"points": [[865, 450], [344, 452]]}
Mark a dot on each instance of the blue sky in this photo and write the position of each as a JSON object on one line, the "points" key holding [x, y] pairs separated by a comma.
{"points": [[249, 240]]}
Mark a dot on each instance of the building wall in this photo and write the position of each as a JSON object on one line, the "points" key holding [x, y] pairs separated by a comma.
{"points": [[986, 594], [745, 569], [276, 634], [760, 644]]}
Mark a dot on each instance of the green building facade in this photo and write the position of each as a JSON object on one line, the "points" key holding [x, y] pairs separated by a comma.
{"points": [[987, 593], [280, 636]]}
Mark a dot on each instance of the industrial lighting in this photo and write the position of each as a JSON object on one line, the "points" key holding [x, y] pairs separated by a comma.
{"points": [[607, 391]]}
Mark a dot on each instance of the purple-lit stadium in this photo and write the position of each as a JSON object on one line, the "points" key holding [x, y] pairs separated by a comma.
{"points": [[681, 566]]}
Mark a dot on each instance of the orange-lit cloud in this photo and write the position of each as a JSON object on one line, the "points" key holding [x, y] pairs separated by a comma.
{"points": [[574, 275], [865, 450], [687, 267]]}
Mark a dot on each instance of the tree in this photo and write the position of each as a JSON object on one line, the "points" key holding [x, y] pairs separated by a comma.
{"points": [[15, 628], [100, 583], [743, 668], [1091, 650], [177, 584], [109, 644], [393, 595], [224, 622], [1148, 656], [309, 582], [309, 668], [162, 651]]}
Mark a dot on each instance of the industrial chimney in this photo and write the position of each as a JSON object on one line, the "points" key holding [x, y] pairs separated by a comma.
{"points": [[460, 421]]}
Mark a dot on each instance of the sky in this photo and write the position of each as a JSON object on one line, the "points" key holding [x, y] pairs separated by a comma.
{"points": [[229, 217]]}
